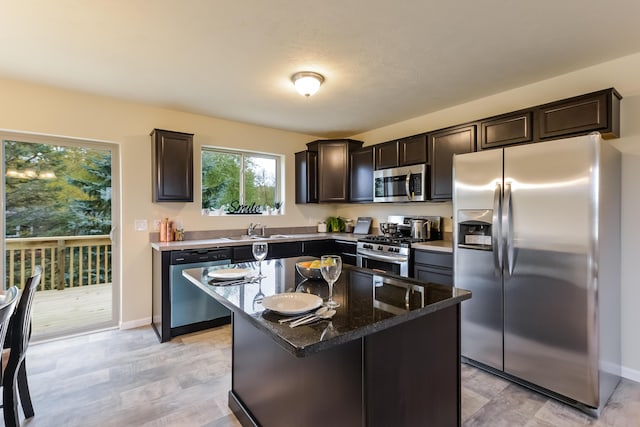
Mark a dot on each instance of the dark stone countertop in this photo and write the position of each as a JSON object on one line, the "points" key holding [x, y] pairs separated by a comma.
{"points": [[369, 302]]}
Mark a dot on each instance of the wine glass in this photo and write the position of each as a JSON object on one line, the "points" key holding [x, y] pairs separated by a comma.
{"points": [[259, 253], [331, 267]]}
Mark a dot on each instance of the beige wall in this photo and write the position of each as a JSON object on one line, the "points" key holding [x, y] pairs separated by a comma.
{"points": [[39, 109], [623, 75], [33, 108]]}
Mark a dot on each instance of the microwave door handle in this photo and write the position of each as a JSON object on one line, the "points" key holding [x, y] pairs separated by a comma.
{"points": [[407, 185]]}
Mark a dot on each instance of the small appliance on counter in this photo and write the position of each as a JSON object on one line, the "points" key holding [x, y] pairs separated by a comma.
{"points": [[363, 224]]}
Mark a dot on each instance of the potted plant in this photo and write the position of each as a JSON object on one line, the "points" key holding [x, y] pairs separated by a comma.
{"points": [[335, 224]]}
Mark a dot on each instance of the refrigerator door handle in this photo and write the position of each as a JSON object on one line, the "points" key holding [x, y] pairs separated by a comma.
{"points": [[496, 233], [508, 232]]}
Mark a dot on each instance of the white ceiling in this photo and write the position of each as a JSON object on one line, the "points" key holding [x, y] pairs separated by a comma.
{"points": [[383, 61]]}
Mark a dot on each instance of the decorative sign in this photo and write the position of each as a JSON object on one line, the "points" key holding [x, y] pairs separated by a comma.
{"points": [[235, 208]]}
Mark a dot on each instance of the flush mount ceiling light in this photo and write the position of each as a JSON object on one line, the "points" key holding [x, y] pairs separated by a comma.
{"points": [[307, 82]]}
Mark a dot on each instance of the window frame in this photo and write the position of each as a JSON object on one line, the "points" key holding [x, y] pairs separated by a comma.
{"points": [[279, 160]]}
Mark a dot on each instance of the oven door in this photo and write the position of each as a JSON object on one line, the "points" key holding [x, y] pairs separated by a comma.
{"points": [[388, 263]]}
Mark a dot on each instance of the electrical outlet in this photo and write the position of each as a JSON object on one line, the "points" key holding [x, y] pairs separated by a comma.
{"points": [[140, 224]]}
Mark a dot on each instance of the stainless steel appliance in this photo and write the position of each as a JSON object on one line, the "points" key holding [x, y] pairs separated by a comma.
{"points": [[402, 184], [420, 228], [391, 252], [536, 240], [191, 309]]}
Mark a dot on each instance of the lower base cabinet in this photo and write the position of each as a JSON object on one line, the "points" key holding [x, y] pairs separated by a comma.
{"points": [[433, 267]]}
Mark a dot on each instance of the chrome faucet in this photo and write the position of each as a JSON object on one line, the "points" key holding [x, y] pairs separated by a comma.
{"points": [[252, 227]]}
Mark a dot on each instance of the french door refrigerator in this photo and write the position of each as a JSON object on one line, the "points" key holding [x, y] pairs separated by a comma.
{"points": [[537, 242]]}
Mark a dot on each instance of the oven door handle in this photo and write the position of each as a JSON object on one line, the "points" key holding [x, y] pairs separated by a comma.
{"points": [[382, 257]]}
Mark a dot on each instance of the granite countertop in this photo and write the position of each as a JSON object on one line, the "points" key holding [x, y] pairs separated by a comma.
{"points": [[237, 241], [436, 246], [369, 302], [219, 242]]}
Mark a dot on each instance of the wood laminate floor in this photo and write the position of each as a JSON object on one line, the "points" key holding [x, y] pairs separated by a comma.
{"points": [[127, 378]]}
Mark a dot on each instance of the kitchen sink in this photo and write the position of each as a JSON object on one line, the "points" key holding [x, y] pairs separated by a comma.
{"points": [[257, 237]]}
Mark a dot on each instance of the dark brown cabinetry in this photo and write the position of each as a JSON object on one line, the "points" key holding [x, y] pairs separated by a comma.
{"points": [[244, 253], [346, 250], [332, 172], [306, 177], [433, 267], [506, 130], [597, 111], [407, 151], [413, 150], [172, 154], [443, 145], [387, 155], [361, 170]]}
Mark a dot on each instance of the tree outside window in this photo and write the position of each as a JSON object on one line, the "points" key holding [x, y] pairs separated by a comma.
{"points": [[236, 177]]}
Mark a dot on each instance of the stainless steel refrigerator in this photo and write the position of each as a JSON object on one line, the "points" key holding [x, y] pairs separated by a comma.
{"points": [[537, 242]]}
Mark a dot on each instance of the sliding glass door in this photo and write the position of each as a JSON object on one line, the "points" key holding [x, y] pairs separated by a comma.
{"points": [[59, 213]]}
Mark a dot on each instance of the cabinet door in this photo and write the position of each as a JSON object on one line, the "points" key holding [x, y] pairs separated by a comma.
{"points": [[443, 146], [413, 150], [306, 177], [317, 248], [284, 250], [598, 111], [361, 185], [333, 167], [433, 275], [387, 155], [511, 129], [434, 267], [172, 166], [347, 251]]}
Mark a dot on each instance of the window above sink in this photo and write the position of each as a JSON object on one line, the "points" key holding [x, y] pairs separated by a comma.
{"points": [[241, 182]]}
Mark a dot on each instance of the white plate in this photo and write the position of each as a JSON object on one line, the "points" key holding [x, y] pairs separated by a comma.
{"points": [[229, 273], [291, 303]]}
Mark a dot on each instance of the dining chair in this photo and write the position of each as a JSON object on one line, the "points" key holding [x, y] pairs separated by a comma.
{"points": [[7, 307], [14, 379]]}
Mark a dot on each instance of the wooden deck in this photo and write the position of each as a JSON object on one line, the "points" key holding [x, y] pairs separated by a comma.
{"points": [[56, 313]]}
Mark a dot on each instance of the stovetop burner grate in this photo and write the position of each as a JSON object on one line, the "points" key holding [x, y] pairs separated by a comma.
{"points": [[398, 240]]}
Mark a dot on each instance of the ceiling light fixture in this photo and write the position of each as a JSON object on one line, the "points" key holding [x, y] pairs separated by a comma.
{"points": [[307, 82]]}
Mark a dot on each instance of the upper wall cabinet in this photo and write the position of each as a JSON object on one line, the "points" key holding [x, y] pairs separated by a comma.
{"points": [[386, 155], [172, 154], [515, 128], [443, 145], [597, 111], [413, 150], [361, 170], [306, 177], [407, 151], [332, 172]]}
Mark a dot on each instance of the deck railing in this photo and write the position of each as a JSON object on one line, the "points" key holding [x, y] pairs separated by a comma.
{"points": [[66, 262]]}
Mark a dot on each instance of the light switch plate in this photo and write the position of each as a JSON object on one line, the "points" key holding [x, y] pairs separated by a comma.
{"points": [[140, 224]]}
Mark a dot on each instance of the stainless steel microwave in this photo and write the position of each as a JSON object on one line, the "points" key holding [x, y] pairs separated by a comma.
{"points": [[402, 184]]}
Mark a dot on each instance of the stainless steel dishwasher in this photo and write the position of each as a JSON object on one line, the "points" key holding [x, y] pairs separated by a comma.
{"points": [[191, 308]]}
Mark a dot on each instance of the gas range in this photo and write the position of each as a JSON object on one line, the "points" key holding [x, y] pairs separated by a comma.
{"points": [[392, 252], [397, 240]]}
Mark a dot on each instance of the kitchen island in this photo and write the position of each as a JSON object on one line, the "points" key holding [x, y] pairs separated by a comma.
{"points": [[389, 356]]}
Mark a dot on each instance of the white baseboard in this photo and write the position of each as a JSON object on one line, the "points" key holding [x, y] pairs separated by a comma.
{"points": [[136, 323], [631, 374]]}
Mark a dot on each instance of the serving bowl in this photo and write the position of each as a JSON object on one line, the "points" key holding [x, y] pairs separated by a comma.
{"points": [[309, 269]]}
